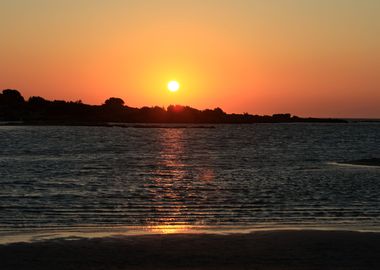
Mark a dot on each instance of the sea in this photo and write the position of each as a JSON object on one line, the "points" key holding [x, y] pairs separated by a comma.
{"points": [[129, 179]]}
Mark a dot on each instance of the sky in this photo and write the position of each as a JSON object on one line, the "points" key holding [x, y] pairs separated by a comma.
{"points": [[306, 57]]}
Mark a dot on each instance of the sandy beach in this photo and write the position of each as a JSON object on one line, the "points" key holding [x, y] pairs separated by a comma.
{"points": [[270, 250]]}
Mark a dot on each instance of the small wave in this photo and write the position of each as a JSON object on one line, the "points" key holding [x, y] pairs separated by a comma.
{"points": [[370, 162]]}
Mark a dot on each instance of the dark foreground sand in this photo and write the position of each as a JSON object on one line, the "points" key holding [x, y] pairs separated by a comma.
{"points": [[260, 250]]}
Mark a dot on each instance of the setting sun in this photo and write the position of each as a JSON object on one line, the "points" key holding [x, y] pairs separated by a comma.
{"points": [[173, 86]]}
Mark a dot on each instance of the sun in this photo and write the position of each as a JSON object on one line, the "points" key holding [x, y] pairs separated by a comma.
{"points": [[173, 86]]}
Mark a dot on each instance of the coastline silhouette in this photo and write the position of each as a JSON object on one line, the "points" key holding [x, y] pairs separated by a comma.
{"points": [[37, 110]]}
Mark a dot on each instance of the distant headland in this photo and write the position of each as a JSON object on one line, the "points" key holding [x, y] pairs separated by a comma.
{"points": [[37, 110]]}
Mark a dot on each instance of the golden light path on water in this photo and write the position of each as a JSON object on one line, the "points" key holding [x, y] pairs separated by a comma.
{"points": [[171, 171]]}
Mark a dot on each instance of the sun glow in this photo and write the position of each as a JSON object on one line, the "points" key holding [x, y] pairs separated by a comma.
{"points": [[173, 86]]}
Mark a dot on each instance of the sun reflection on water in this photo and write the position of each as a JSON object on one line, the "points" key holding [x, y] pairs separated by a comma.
{"points": [[174, 182], [169, 229]]}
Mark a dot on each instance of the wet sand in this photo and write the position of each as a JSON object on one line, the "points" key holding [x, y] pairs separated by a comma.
{"points": [[272, 250]]}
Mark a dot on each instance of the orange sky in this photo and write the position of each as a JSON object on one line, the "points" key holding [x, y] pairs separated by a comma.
{"points": [[309, 58]]}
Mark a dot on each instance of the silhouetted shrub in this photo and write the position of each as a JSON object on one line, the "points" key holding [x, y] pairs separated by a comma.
{"points": [[114, 102]]}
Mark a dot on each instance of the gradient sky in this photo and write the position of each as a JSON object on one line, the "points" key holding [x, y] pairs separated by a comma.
{"points": [[305, 57]]}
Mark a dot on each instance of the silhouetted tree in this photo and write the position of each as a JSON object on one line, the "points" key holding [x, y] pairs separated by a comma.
{"points": [[37, 101], [11, 97], [281, 117], [114, 102], [11, 105]]}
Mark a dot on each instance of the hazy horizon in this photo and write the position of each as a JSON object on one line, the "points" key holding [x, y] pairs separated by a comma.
{"points": [[308, 58]]}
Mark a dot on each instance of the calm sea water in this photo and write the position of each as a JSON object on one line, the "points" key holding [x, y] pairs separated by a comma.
{"points": [[234, 175]]}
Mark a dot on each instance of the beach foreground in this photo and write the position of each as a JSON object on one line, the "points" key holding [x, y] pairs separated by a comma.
{"points": [[272, 250]]}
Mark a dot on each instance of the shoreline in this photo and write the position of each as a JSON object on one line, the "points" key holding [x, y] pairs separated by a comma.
{"points": [[272, 250], [31, 235]]}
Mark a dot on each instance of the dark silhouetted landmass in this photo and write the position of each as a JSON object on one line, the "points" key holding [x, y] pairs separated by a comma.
{"points": [[37, 110]]}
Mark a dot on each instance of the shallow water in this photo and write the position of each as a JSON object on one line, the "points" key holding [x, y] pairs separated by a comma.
{"points": [[263, 175]]}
